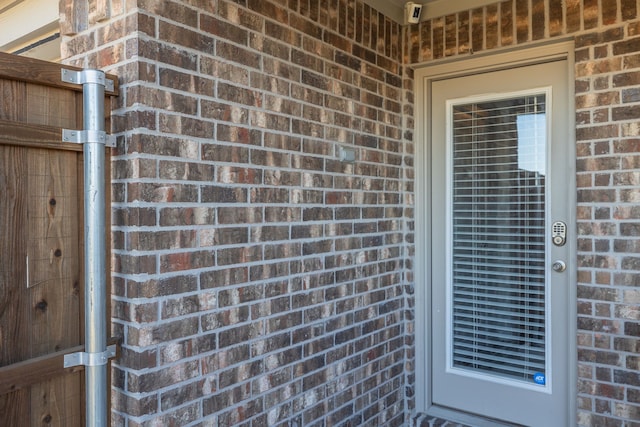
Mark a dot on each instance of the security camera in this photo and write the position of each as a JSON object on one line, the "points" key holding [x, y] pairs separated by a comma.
{"points": [[412, 12]]}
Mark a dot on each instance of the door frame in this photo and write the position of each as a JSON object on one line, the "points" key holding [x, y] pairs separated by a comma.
{"points": [[424, 75]]}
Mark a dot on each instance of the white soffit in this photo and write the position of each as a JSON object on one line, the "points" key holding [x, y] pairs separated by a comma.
{"points": [[437, 8], [23, 22], [394, 9]]}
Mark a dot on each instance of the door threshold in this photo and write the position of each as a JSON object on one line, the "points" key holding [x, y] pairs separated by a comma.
{"points": [[445, 417], [428, 421]]}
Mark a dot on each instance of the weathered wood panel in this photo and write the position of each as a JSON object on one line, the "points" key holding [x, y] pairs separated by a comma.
{"points": [[41, 221], [64, 113], [11, 94], [22, 375], [14, 318], [39, 72], [40, 283], [37, 136]]}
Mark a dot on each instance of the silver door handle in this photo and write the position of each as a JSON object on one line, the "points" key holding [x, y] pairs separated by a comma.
{"points": [[559, 266]]}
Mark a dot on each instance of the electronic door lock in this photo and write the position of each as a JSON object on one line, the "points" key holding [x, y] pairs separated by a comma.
{"points": [[559, 233]]}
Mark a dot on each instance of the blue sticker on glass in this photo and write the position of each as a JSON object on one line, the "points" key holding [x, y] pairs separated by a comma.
{"points": [[539, 378]]}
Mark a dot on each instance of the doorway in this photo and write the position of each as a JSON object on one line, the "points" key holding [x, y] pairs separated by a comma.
{"points": [[497, 213]]}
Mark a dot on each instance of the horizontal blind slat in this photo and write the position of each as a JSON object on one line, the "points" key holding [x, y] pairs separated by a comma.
{"points": [[532, 355], [532, 366], [502, 301], [496, 331], [498, 235], [470, 339]]}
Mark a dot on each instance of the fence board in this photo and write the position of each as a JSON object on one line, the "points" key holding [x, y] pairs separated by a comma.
{"points": [[40, 72], [41, 215], [37, 136]]}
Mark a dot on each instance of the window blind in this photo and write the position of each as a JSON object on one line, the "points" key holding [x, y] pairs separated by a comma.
{"points": [[498, 237]]}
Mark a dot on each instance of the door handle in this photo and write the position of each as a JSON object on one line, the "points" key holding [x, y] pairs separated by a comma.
{"points": [[559, 266]]}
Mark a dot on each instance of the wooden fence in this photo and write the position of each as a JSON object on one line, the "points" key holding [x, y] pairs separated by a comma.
{"points": [[41, 244]]}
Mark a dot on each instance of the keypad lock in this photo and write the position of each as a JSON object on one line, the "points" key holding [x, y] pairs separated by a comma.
{"points": [[559, 233]]}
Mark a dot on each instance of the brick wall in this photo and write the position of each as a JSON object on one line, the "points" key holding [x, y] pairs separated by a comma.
{"points": [[258, 280], [607, 70]]}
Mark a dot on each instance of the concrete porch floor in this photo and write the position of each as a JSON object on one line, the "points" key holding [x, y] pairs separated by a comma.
{"points": [[427, 421]]}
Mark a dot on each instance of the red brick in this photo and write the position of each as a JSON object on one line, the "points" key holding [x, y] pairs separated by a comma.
{"points": [[222, 29], [227, 129]]}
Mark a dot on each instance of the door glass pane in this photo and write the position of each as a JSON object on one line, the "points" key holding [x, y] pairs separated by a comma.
{"points": [[498, 237]]}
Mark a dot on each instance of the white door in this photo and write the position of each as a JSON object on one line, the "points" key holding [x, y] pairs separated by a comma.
{"points": [[501, 171]]}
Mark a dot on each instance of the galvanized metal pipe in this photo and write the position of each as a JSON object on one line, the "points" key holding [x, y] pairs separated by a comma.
{"points": [[95, 252]]}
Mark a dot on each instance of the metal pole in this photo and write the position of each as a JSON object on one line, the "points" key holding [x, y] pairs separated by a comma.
{"points": [[95, 251]]}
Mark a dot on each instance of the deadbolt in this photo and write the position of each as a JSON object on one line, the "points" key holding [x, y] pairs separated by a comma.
{"points": [[559, 233], [559, 266]]}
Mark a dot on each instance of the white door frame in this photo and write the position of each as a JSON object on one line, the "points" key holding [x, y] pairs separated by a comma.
{"points": [[424, 75]]}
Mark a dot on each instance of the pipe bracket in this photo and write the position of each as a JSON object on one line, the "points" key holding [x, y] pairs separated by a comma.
{"points": [[89, 359], [87, 136], [87, 76]]}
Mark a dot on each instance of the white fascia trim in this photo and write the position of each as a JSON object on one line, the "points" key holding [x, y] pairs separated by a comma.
{"points": [[27, 18], [430, 10]]}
